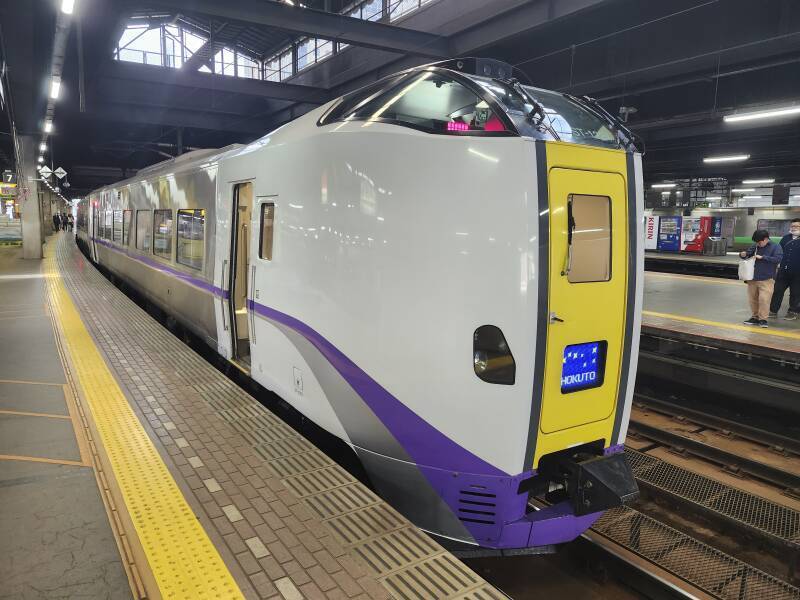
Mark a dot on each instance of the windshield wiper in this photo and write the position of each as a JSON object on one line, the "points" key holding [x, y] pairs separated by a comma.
{"points": [[514, 85], [632, 140]]}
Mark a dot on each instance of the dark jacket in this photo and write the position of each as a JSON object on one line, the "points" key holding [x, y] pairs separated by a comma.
{"points": [[766, 267], [790, 264]]}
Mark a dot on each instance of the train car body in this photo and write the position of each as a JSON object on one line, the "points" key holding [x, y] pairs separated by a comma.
{"points": [[429, 271]]}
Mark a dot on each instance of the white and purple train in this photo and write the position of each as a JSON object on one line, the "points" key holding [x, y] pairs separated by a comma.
{"points": [[442, 269]]}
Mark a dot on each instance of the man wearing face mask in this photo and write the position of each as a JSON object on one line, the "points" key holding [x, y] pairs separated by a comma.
{"points": [[788, 275]]}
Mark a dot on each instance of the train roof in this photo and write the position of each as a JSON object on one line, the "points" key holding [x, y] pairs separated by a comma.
{"points": [[185, 162]]}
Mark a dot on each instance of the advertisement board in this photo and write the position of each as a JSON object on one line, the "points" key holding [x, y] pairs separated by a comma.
{"points": [[651, 232]]}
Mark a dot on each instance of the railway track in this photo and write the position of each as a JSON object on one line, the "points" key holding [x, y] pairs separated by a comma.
{"points": [[707, 469], [736, 447]]}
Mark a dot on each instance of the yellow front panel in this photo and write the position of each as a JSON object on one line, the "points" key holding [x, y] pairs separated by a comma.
{"points": [[588, 311]]}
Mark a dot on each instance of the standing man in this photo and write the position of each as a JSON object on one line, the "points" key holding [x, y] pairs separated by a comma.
{"points": [[788, 274], [759, 290], [56, 221]]}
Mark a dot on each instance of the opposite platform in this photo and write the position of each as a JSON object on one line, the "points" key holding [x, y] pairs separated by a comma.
{"points": [[284, 519], [712, 310]]}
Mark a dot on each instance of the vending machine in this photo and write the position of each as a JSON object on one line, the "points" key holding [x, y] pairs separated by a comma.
{"points": [[651, 232], [694, 232], [669, 234]]}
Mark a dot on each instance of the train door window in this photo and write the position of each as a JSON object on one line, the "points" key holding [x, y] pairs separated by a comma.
{"points": [[191, 237], [162, 233], [267, 230], [144, 227], [126, 227], [589, 238], [117, 233], [108, 224]]}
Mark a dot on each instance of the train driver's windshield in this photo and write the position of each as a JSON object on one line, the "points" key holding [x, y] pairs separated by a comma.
{"points": [[431, 102], [567, 118]]}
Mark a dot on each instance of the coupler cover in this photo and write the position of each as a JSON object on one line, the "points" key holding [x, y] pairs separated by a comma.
{"points": [[600, 483]]}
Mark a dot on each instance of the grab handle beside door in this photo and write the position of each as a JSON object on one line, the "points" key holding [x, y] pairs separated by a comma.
{"points": [[222, 296], [252, 301]]}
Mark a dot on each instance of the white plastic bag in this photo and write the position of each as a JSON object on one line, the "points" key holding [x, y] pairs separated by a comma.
{"points": [[747, 269]]}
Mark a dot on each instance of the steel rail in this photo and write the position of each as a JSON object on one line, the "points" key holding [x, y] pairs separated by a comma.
{"points": [[734, 462], [775, 441]]}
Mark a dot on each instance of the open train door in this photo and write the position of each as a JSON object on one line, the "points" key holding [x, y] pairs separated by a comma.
{"points": [[233, 315]]}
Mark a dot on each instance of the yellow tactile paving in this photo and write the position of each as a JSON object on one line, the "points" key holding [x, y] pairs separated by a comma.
{"points": [[183, 559], [754, 330]]}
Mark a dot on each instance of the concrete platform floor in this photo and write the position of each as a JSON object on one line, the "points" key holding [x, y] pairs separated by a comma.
{"points": [[55, 537], [715, 308]]}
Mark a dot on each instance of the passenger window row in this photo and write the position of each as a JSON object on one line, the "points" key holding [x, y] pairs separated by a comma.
{"points": [[154, 230]]}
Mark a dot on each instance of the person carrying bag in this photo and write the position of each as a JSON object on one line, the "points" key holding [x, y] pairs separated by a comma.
{"points": [[747, 268], [765, 255]]}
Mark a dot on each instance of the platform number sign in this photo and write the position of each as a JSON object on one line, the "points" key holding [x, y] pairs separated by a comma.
{"points": [[60, 173], [9, 177]]}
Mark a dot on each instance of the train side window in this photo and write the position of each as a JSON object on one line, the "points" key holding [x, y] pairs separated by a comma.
{"points": [[144, 226], [589, 238], [126, 227], [267, 230], [162, 233], [191, 237], [117, 233]]}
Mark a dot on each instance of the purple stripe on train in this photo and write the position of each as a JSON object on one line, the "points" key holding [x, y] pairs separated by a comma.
{"points": [[185, 277], [447, 466]]}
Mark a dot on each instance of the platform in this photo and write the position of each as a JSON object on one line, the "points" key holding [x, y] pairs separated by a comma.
{"points": [[190, 488], [726, 266], [712, 310], [731, 258]]}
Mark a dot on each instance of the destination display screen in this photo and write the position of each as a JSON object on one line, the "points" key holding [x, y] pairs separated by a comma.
{"points": [[583, 366]]}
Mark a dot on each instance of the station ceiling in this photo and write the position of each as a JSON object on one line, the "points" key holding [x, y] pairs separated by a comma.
{"points": [[679, 66]]}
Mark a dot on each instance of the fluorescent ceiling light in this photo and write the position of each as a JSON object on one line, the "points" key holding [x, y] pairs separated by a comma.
{"points": [[743, 190], [55, 88], [48, 126], [763, 114], [750, 197], [758, 181], [732, 158], [41, 159], [67, 6], [713, 197], [663, 185], [42, 147]]}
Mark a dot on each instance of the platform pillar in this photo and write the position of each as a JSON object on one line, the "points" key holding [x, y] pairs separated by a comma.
{"points": [[30, 201]]}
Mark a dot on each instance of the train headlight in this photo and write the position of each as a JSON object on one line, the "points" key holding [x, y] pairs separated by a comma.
{"points": [[491, 356], [481, 360]]}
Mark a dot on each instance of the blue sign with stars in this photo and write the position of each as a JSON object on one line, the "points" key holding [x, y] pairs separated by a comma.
{"points": [[583, 366]]}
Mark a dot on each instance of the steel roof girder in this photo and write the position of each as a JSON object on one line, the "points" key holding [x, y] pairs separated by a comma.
{"points": [[194, 79], [322, 24]]}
